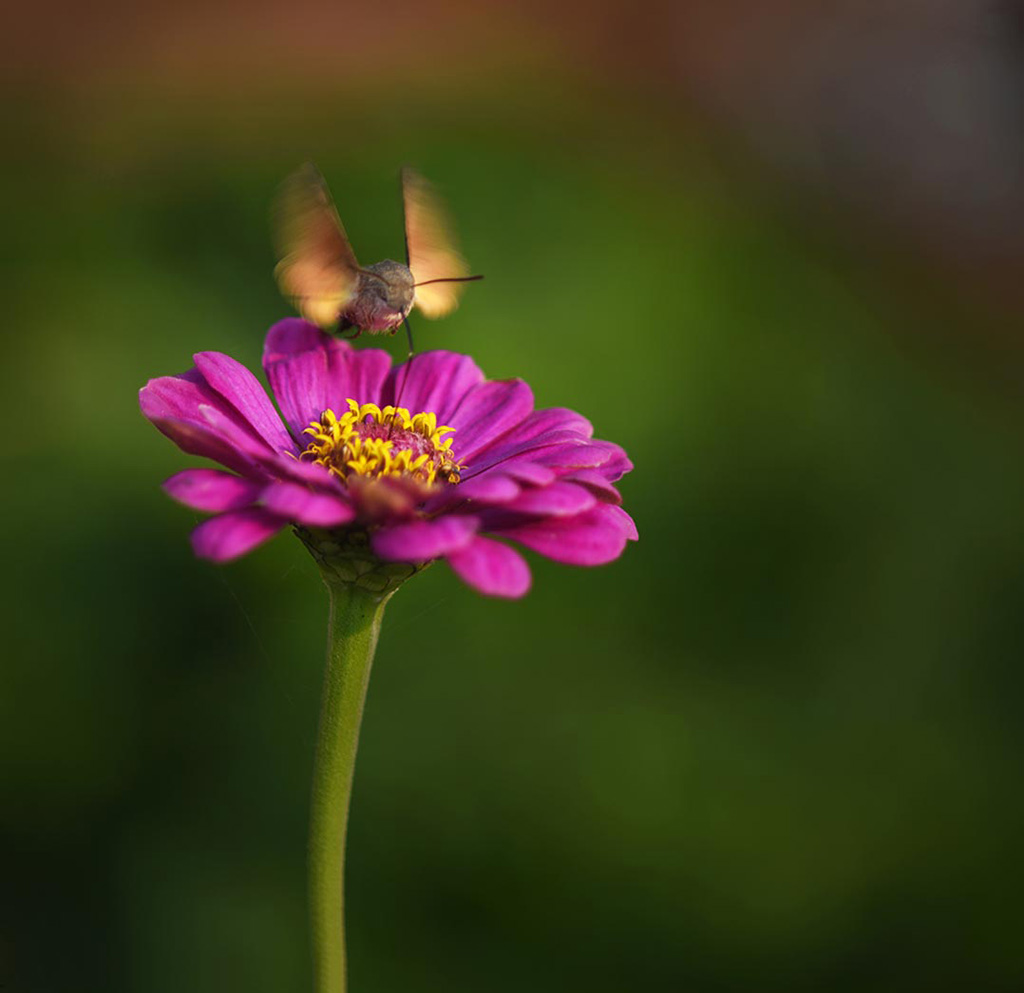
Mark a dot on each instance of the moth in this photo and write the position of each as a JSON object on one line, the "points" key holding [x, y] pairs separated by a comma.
{"points": [[319, 271]]}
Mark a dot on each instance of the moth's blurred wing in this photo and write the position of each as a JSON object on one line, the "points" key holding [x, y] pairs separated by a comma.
{"points": [[318, 270], [430, 246]]}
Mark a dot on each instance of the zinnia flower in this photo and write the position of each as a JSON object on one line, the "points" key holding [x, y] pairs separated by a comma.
{"points": [[376, 465]]}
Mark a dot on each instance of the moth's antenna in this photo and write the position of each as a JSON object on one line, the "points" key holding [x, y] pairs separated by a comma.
{"points": [[449, 279]]}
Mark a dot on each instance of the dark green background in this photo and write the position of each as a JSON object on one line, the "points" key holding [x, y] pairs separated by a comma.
{"points": [[776, 747]]}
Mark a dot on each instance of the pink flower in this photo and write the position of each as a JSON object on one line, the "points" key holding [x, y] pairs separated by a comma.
{"points": [[423, 461]]}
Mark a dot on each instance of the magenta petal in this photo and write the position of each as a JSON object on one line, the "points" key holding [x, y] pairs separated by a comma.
{"points": [[434, 382], [557, 500], [540, 431], [541, 427], [420, 541], [487, 412], [178, 398], [617, 462], [211, 490], [552, 453], [202, 441], [230, 535], [244, 441], [573, 455], [307, 472], [310, 372], [183, 398], [200, 421], [242, 390], [529, 472], [269, 462], [291, 337], [625, 522], [555, 419], [298, 503], [493, 487], [359, 374], [593, 538], [595, 481], [491, 568], [295, 361]]}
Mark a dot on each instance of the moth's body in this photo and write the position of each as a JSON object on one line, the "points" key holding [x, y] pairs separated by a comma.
{"points": [[382, 301], [320, 273]]}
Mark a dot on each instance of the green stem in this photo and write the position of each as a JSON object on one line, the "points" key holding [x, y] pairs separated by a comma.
{"points": [[352, 639]]}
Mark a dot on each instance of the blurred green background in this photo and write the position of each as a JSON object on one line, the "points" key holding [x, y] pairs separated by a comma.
{"points": [[777, 746]]}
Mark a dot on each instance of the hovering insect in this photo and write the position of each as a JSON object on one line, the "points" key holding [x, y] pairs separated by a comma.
{"points": [[319, 272]]}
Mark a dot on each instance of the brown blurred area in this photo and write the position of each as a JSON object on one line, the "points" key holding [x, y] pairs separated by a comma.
{"points": [[905, 113]]}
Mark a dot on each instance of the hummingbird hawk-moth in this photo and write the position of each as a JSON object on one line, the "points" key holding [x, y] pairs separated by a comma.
{"points": [[319, 272]]}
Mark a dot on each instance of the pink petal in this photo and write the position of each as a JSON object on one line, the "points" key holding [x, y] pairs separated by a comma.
{"points": [[625, 522], [538, 428], [184, 397], [420, 541], [244, 454], [178, 406], [202, 441], [242, 390], [542, 460], [573, 455], [211, 490], [434, 382], [491, 568], [617, 463], [233, 534], [291, 337], [244, 441], [557, 500], [594, 480], [495, 487], [593, 538], [529, 472], [541, 430], [310, 371], [270, 463], [487, 412], [178, 398], [299, 503], [356, 373], [557, 419], [305, 472], [295, 361]]}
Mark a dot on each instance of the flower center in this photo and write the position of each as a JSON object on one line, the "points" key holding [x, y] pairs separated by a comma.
{"points": [[369, 441]]}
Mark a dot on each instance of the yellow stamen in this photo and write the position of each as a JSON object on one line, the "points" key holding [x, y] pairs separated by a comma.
{"points": [[371, 441]]}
